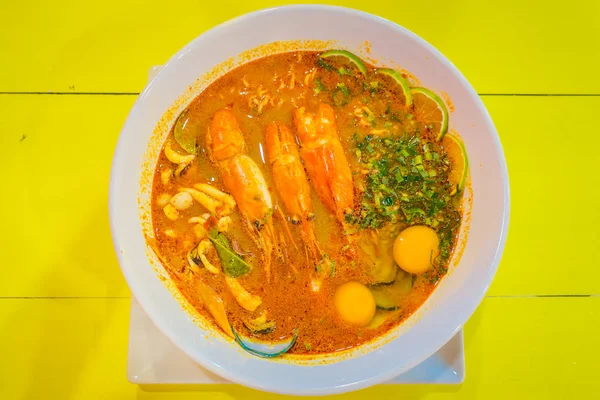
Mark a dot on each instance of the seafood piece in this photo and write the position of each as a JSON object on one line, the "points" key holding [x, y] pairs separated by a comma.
{"points": [[182, 161], [217, 202], [288, 172], [171, 212], [245, 299], [200, 229], [260, 324], [182, 201], [244, 180], [224, 223], [325, 160], [166, 175], [197, 255], [163, 199], [290, 180]]}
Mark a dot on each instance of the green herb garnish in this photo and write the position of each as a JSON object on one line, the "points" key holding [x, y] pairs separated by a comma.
{"points": [[325, 65], [341, 96], [319, 86]]}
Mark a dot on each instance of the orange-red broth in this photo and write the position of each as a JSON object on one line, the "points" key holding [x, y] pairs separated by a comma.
{"points": [[288, 298]]}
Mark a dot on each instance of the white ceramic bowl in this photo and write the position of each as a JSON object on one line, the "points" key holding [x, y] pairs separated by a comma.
{"points": [[444, 313]]}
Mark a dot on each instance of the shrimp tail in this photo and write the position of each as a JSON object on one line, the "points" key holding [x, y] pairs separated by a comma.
{"points": [[310, 240]]}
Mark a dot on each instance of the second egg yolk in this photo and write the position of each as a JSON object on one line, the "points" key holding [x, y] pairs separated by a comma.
{"points": [[355, 303], [416, 248]]}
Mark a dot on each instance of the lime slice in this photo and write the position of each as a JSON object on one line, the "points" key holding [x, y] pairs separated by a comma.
{"points": [[459, 161], [185, 132], [396, 76], [349, 56], [431, 110]]}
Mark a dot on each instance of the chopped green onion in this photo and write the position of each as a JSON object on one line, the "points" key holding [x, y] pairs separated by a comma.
{"points": [[409, 212], [325, 65], [320, 87], [344, 89], [343, 71], [422, 171]]}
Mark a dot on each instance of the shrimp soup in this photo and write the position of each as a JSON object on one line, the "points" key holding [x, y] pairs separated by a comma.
{"points": [[308, 202]]}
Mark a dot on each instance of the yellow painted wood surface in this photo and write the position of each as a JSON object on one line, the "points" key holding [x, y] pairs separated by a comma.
{"points": [[64, 304], [58, 150], [512, 46]]}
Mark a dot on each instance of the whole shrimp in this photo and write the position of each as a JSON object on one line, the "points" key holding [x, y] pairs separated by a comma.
{"points": [[243, 179], [324, 159], [290, 180]]}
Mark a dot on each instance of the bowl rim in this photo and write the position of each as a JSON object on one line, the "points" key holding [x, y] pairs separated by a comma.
{"points": [[463, 314]]}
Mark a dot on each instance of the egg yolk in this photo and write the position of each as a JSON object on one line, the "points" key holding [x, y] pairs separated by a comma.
{"points": [[355, 303], [415, 249]]}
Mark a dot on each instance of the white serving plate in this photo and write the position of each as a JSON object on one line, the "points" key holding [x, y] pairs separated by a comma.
{"points": [[444, 313], [153, 360]]}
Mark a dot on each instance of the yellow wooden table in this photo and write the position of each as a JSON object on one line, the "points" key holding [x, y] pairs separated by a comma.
{"points": [[70, 71]]}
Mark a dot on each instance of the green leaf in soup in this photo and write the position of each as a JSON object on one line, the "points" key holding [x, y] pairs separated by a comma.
{"points": [[185, 132], [233, 264]]}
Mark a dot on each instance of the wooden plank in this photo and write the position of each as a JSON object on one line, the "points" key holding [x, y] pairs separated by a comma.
{"points": [[551, 151], [512, 46], [56, 155], [64, 349], [515, 348], [55, 203]]}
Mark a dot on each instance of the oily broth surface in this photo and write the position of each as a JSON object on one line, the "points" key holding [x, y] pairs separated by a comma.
{"points": [[289, 80]]}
